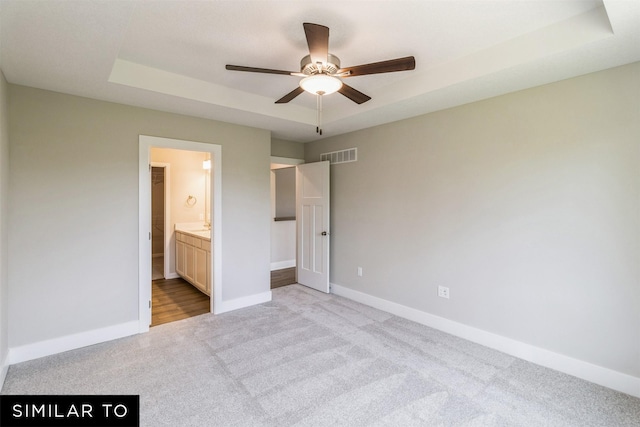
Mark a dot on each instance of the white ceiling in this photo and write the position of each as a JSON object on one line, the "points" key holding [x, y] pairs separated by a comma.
{"points": [[170, 55]]}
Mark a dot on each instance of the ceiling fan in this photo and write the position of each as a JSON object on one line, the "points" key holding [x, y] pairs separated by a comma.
{"points": [[322, 74]]}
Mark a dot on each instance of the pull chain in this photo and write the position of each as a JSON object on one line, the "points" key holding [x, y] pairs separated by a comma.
{"points": [[319, 112]]}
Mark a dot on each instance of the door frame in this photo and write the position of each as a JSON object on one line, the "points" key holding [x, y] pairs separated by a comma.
{"points": [[145, 143], [167, 216]]}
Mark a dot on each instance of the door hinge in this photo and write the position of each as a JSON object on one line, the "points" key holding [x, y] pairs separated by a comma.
{"points": [[149, 235], [149, 303]]}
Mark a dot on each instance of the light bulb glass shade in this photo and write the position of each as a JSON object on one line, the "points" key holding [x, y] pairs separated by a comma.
{"points": [[206, 165], [321, 84]]}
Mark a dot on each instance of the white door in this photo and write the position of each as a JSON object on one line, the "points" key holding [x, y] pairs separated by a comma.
{"points": [[312, 218]]}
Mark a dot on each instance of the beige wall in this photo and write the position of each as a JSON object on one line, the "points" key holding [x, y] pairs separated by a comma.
{"points": [[73, 215], [525, 206], [4, 229], [290, 149]]}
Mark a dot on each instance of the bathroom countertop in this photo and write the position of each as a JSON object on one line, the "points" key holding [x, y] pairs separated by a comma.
{"points": [[194, 229]]}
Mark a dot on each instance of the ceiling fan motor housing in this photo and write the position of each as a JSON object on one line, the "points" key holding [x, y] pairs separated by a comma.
{"points": [[309, 68]]}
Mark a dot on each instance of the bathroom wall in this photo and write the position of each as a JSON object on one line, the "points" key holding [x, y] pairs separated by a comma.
{"points": [[186, 178]]}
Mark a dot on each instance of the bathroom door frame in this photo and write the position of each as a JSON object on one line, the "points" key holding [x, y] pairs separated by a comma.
{"points": [[144, 221]]}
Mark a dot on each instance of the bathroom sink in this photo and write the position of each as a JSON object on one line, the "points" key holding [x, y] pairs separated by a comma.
{"points": [[200, 230]]}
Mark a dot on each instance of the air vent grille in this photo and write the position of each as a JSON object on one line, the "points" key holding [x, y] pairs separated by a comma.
{"points": [[342, 156]]}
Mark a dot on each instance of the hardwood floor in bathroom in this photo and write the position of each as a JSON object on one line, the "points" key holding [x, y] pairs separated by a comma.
{"points": [[176, 299]]}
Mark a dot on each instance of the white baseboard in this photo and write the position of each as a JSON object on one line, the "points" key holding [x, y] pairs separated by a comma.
{"points": [[283, 264], [235, 304], [71, 342], [171, 276], [578, 368]]}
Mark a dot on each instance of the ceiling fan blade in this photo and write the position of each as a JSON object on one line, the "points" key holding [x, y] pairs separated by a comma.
{"points": [[318, 42], [353, 94], [288, 97], [399, 64], [259, 70]]}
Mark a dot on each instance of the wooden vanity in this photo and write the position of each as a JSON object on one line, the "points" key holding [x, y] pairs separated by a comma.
{"points": [[193, 259]]}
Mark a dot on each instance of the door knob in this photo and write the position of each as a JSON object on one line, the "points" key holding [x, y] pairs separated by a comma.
{"points": [[324, 233]]}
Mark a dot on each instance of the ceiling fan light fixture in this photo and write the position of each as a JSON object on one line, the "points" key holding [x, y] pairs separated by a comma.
{"points": [[321, 84]]}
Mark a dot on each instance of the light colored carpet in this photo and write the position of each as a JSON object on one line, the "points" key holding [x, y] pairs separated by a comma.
{"points": [[310, 359]]}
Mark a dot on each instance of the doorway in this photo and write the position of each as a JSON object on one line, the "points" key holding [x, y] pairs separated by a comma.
{"points": [[306, 236], [283, 221], [183, 176], [208, 200]]}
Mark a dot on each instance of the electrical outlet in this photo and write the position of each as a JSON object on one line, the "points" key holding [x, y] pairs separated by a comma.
{"points": [[443, 292], [359, 271]]}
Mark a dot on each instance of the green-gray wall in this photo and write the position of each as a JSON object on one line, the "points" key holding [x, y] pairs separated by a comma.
{"points": [[73, 216], [290, 149], [525, 205], [4, 226]]}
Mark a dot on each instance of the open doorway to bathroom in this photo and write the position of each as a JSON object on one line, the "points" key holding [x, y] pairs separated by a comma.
{"points": [[192, 196], [180, 234]]}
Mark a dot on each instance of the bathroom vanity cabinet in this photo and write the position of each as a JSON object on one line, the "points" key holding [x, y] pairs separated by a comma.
{"points": [[193, 255]]}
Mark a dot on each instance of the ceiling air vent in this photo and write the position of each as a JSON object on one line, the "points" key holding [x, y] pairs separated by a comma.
{"points": [[342, 156]]}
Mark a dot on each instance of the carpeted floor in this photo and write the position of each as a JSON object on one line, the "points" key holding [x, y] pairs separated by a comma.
{"points": [[310, 359]]}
